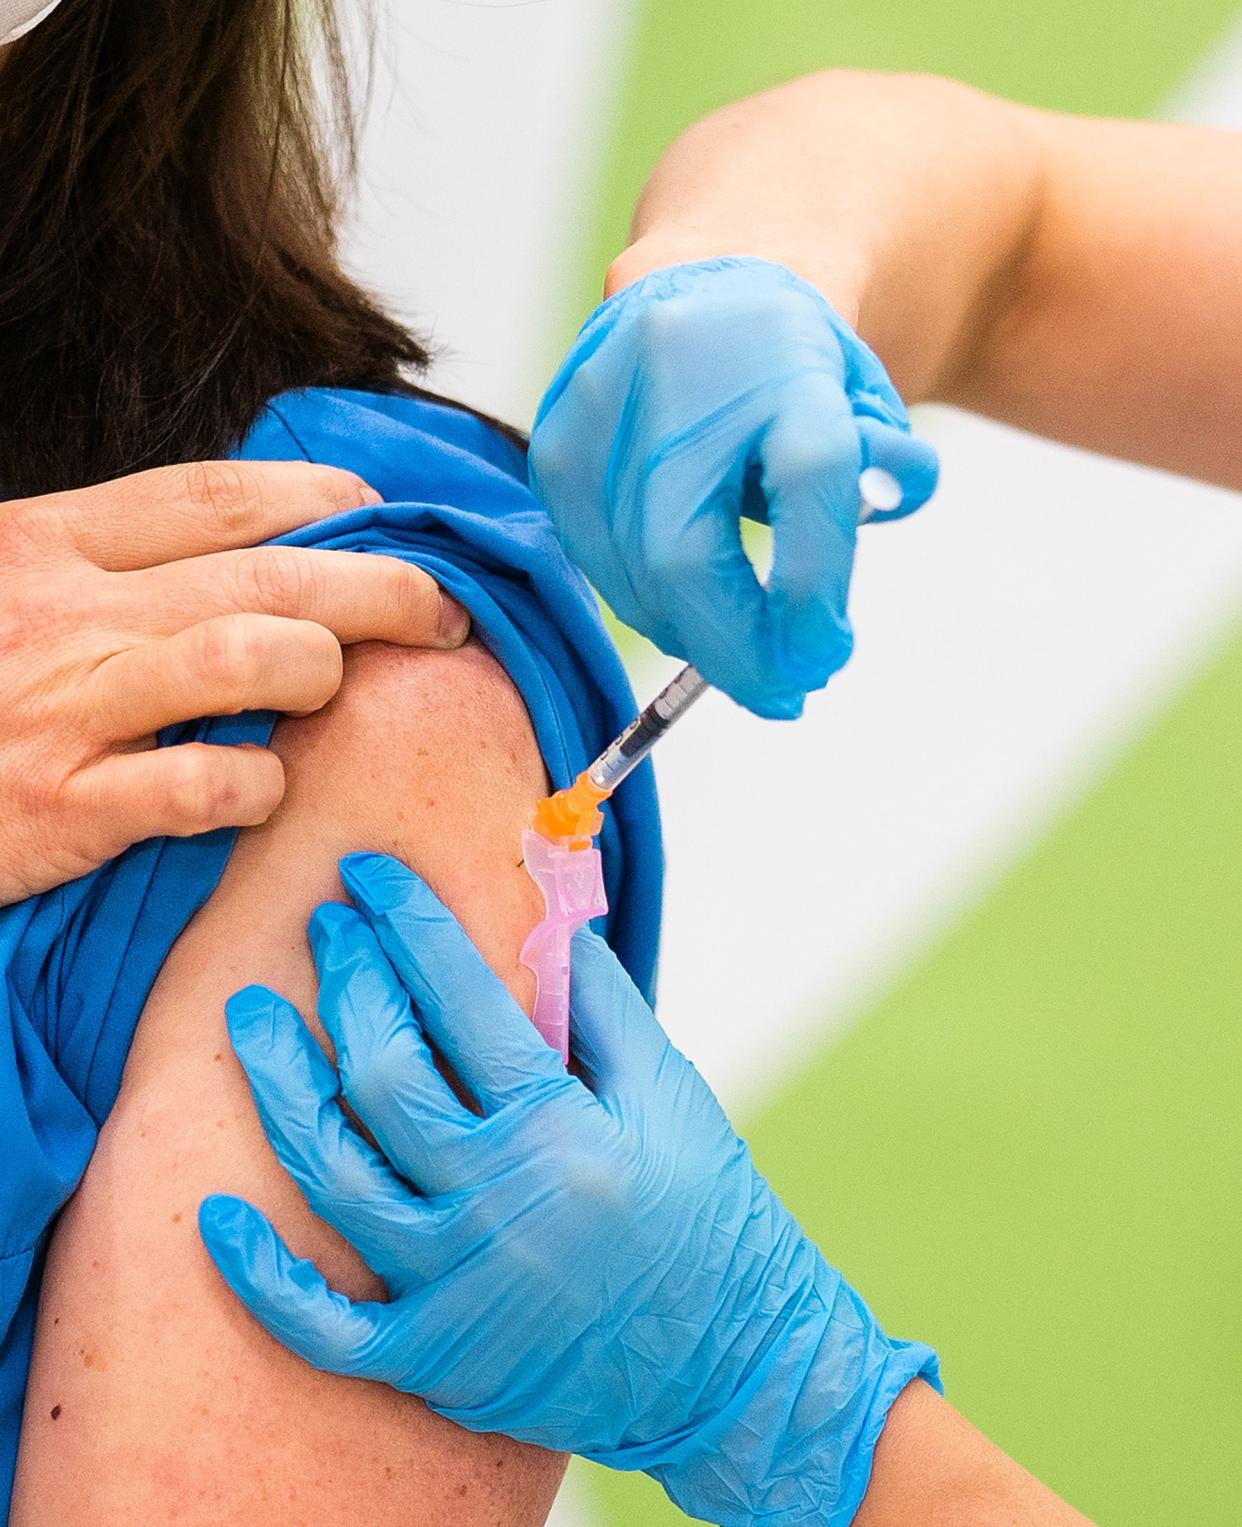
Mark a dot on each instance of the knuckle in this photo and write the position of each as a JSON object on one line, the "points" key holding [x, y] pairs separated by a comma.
{"points": [[546, 457], [335, 1348], [659, 322], [776, 308], [196, 795], [786, 302], [343, 1177], [583, 1177], [277, 580], [40, 615], [796, 457], [39, 793], [557, 478], [368, 1079], [226, 496], [230, 657], [18, 623], [672, 558], [29, 529]]}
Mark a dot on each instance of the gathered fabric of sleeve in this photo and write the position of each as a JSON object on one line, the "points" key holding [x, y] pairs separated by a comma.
{"points": [[77, 963]]}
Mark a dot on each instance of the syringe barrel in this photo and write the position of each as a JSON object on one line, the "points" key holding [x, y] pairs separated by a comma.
{"points": [[879, 491], [638, 739]]}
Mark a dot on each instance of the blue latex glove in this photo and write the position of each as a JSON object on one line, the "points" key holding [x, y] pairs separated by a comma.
{"points": [[700, 394], [600, 1270]]}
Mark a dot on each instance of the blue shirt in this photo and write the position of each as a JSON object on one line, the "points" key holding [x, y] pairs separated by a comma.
{"points": [[79, 961]]}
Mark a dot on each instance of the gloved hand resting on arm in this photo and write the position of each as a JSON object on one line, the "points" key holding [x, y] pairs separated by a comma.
{"points": [[597, 1268], [698, 395]]}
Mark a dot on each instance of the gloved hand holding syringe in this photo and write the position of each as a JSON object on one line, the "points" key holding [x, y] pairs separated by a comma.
{"points": [[700, 397], [559, 847]]}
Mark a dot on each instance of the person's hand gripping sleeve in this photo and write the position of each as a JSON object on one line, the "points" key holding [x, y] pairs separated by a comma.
{"points": [[591, 1266], [699, 395]]}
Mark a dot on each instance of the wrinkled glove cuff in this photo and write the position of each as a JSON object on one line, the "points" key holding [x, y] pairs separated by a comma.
{"points": [[795, 1444]]}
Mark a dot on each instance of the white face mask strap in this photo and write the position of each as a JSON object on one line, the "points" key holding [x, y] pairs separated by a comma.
{"points": [[16, 18]]}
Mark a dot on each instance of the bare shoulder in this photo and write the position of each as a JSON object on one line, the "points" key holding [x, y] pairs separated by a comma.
{"points": [[429, 756], [451, 722], [153, 1394]]}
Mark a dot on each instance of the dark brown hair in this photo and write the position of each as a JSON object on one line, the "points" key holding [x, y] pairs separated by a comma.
{"points": [[169, 174]]}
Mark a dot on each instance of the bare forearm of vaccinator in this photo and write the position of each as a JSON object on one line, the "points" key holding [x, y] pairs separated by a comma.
{"points": [[1124, 333], [933, 1469], [905, 199], [153, 1395], [1076, 277]]}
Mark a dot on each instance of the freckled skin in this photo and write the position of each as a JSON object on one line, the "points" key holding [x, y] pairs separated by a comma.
{"points": [[187, 1411]]}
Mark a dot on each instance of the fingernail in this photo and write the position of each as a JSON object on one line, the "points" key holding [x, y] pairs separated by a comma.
{"points": [[454, 623], [367, 495]]}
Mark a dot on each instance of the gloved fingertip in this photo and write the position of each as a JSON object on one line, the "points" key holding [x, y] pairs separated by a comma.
{"points": [[221, 1216], [788, 709], [911, 459], [367, 865], [248, 1007], [379, 880], [772, 705], [328, 924], [922, 484]]}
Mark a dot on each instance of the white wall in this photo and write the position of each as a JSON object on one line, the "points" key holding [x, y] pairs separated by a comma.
{"points": [[486, 122]]}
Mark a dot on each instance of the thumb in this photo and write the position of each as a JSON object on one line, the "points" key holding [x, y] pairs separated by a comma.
{"points": [[909, 459], [285, 1294]]}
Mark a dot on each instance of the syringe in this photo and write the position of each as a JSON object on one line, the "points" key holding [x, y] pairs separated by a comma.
{"points": [[622, 757], [572, 816], [560, 854], [559, 849]]}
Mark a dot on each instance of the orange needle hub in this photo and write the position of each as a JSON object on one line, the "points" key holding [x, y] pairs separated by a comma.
{"points": [[571, 816]]}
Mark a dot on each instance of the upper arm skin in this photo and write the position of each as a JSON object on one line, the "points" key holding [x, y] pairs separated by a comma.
{"points": [[153, 1396]]}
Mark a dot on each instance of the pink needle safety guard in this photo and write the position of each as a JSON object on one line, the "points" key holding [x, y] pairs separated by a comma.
{"points": [[572, 883]]}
